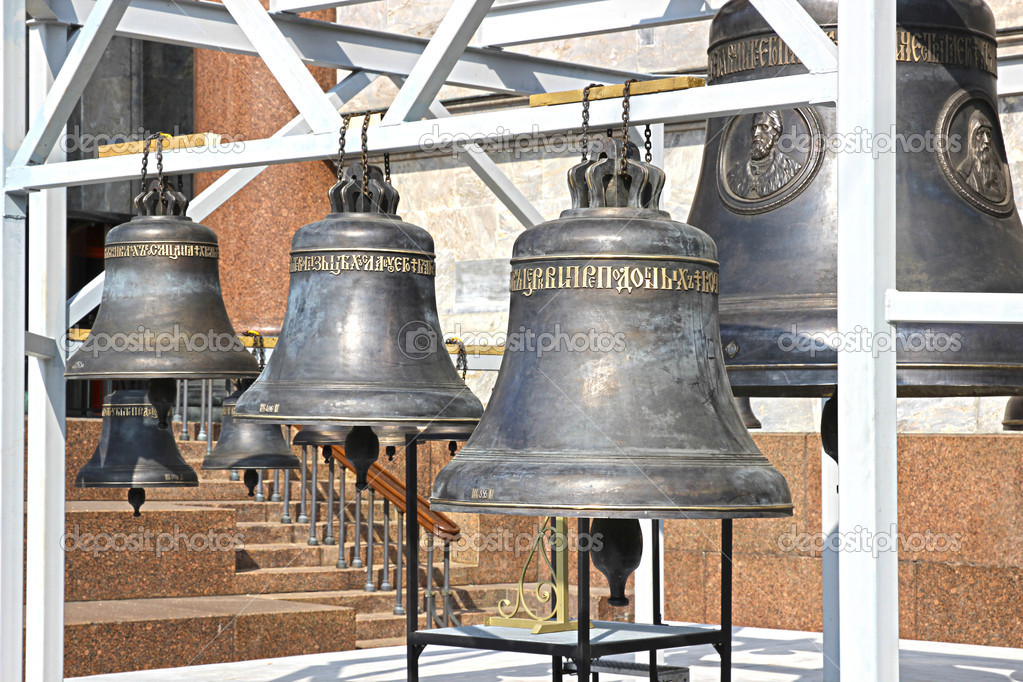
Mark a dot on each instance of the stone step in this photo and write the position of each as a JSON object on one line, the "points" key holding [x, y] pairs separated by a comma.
{"points": [[303, 579], [379, 643], [165, 633]]}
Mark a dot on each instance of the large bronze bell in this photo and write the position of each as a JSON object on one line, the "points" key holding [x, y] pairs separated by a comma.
{"points": [[245, 444], [133, 452], [361, 343], [612, 400], [162, 314], [768, 196]]}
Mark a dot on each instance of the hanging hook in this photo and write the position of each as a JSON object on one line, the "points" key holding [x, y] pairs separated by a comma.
{"points": [[626, 95]]}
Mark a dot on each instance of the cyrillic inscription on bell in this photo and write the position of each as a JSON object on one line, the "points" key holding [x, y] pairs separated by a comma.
{"points": [[631, 414], [361, 343], [768, 193], [162, 314]]}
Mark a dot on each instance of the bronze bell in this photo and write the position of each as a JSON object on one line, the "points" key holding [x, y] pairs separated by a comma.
{"points": [[768, 195], [162, 314], [361, 343], [1013, 420], [133, 452], [245, 444], [631, 416], [749, 417]]}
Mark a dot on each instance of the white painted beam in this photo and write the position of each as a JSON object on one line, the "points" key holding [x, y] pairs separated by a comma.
{"points": [[224, 187], [296, 6], [434, 65], [47, 284], [538, 21], [680, 105], [12, 347], [283, 62], [868, 503], [494, 178], [801, 33], [953, 308], [69, 84], [209, 25], [1010, 76]]}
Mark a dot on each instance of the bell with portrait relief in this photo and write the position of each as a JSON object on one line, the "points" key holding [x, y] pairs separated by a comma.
{"points": [[768, 197]]}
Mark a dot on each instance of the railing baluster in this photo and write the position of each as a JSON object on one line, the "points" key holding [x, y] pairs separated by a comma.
{"points": [[370, 586], [260, 497], [184, 414], [177, 402], [341, 561], [328, 455], [209, 419], [429, 595], [446, 590], [276, 497], [313, 540], [286, 505], [357, 558], [399, 610], [385, 583], [201, 436], [303, 515]]}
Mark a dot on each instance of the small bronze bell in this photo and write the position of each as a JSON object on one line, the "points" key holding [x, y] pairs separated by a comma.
{"points": [[768, 197], [635, 418], [246, 444], [361, 342], [162, 314], [133, 451]]}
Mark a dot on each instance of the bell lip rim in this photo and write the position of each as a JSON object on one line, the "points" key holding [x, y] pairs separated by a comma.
{"points": [[617, 212], [598, 511], [356, 421], [204, 467], [176, 484], [162, 375]]}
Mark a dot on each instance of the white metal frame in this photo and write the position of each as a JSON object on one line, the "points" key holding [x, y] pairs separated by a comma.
{"points": [[860, 82]]}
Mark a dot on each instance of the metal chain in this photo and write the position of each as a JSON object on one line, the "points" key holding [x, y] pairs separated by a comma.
{"points": [[387, 168], [345, 120], [365, 160], [258, 346], [649, 144], [626, 94], [145, 157], [585, 138]]}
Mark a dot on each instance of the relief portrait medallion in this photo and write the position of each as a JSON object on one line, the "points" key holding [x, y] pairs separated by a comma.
{"points": [[768, 158], [972, 156]]}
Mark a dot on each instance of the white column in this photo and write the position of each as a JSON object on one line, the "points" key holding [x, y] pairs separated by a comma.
{"points": [[868, 594], [829, 569], [47, 293], [12, 346]]}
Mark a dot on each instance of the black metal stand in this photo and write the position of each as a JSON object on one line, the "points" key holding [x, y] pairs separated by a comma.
{"points": [[581, 646]]}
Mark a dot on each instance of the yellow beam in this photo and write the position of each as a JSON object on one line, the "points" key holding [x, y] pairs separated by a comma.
{"points": [[615, 91], [178, 142]]}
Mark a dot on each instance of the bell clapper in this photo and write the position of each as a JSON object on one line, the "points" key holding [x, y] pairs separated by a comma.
{"points": [[362, 448], [616, 550], [136, 498], [162, 394], [250, 479], [391, 450], [452, 447]]}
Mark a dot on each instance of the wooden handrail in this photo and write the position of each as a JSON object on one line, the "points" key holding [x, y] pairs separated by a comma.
{"points": [[387, 484]]}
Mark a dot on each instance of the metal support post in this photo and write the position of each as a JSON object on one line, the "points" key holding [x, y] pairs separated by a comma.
{"points": [[412, 553], [370, 586], [869, 590], [385, 582], [329, 538], [286, 504], [47, 310]]}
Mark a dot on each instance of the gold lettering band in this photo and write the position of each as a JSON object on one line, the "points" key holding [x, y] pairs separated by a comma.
{"points": [[129, 411], [172, 250], [337, 261], [915, 46], [624, 279], [227, 410]]}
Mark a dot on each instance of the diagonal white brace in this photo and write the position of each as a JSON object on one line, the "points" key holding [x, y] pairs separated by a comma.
{"points": [[284, 63], [211, 198], [67, 88], [801, 33], [435, 64]]}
